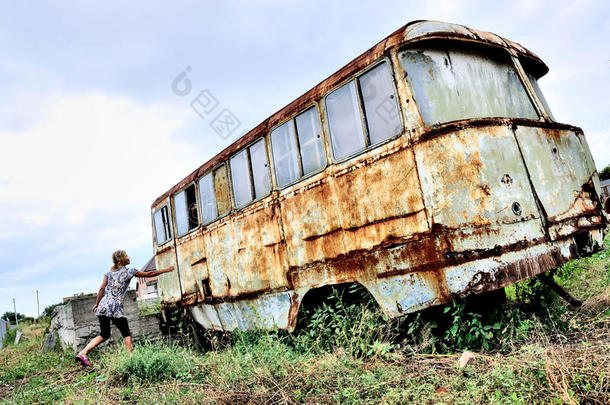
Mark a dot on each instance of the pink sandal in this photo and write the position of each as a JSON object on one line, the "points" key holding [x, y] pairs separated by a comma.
{"points": [[84, 361]]}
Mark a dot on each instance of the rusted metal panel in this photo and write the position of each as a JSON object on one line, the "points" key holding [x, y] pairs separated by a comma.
{"points": [[556, 161], [169, 283], [245, 253], [474, 177], [191, 263], [221, 186], [270, 311], [426, 29]]}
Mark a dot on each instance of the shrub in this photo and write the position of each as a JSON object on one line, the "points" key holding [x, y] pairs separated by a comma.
{"points": [[348, 318], [155, 362]]}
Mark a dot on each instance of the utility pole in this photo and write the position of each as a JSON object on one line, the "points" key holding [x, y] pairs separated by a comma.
{"points": [[38, 303], [15, 309]]}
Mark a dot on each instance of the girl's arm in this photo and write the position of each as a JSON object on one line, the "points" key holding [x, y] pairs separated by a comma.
{"points": [[100, 293], [153, 272]]}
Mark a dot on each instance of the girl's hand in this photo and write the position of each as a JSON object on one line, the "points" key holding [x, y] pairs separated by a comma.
{"points": [[169, 269], [94, 307]]}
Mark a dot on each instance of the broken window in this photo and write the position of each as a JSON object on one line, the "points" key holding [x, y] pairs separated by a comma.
{"points": [[214, 194], [363, 112], [453, 84], [162, 226], [250, 174], [185, 203]]}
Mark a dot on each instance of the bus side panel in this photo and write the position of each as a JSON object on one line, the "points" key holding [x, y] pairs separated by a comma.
{"points": [[169, 284], [221, 255], [312, 222], [475, 178], [191, 262], [562, 173], [380, 201], [247, 254]]}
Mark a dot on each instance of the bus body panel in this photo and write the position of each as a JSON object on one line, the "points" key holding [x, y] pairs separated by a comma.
{"points": [[476, 177], [246, 253], [191, 265], [169, 283], [560, 173]]}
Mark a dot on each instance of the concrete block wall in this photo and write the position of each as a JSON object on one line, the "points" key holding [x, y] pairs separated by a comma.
{"points": [[77, 324]]}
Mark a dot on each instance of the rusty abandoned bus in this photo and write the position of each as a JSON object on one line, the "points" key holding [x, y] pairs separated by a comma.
{"points": [[430, 167]]}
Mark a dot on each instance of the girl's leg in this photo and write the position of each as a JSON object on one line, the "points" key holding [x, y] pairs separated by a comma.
{"points": [[105, 334], [94, 342], [123, 326], [128, 343]]}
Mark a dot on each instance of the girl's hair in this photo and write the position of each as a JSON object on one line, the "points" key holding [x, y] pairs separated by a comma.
{"points": [[118, 259]]}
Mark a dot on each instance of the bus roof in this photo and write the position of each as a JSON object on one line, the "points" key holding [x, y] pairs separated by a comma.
{"points": [[415, 31]]}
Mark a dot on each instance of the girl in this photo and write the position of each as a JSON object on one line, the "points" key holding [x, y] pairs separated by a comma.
{"points": [[110, 308]]}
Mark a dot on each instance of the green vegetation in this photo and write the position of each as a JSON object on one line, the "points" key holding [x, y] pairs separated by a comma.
{"points": [[48, 311], [148, 309], [10, 316], [605, 173], [531, 349]]}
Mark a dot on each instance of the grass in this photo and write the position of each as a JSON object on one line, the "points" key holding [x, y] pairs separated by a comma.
{"points": [[534, 349]]}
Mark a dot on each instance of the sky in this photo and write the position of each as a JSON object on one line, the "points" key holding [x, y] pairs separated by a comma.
{"points": [[92, 129]]}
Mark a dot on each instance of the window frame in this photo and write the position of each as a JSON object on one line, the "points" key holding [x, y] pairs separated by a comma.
{"points": [[368, 146], [296, 135], [526, 67], [230, 186], [250, 173], [170, 225], [197, 203]]}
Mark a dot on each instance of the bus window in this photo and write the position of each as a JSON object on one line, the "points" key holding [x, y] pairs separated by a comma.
{"points": [[290, 161], [260, 169], [283, 145], [248, 187], [540, 95], [162, 227], [347, 134], [381, 110], [379, 106], [214, 194], [207, 198], [185, 203], [240, 176], [457, 84], [310, 141]]}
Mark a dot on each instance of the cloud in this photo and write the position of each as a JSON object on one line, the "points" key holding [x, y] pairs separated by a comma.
{"points": [[599, 143], [77, 183], [90, 155]]}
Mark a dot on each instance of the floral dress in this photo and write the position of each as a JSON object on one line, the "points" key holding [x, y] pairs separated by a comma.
{"points": [[116, 288]]}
